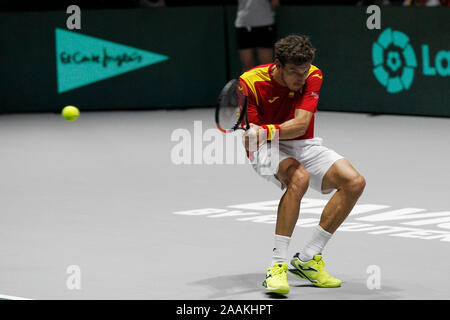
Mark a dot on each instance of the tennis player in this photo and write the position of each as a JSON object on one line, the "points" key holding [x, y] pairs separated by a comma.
{"points": [[282, 101]]}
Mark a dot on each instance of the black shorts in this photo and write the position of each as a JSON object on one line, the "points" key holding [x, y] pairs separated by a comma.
{"points": [[256, 37]]}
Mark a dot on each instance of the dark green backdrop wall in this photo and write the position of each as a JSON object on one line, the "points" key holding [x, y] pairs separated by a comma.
{"points": [[200, 45], [194, 43]]}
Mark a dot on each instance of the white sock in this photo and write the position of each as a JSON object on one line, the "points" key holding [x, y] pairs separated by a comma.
{"points": [[280, 250], [315, 246]]}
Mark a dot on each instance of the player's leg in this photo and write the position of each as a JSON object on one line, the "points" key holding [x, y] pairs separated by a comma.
{"points": [[280, 167], [328, 170], [349, 184], [294, 177]]}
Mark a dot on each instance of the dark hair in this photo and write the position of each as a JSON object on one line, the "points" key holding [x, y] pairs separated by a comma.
{"points": [[295, 49]]}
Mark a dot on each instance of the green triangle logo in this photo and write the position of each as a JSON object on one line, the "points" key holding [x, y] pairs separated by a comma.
{"points": [[81, 59]]}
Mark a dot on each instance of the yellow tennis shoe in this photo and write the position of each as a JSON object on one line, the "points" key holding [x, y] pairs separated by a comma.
{"points": [[313, 270], [276, 278]]}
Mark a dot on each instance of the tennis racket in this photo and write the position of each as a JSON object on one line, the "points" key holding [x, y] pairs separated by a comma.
{"points": [[231, 109]]}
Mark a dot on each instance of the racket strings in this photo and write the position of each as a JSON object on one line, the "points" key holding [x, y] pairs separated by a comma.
{"points": [[230, 106]]}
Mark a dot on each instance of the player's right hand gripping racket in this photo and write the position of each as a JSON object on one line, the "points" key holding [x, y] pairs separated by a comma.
{"points": [[231, 110]]}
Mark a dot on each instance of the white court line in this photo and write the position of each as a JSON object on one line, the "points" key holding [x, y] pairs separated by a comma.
{"points": [[12, 297]]}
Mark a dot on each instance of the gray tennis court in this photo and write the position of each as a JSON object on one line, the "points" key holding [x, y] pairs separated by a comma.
{"points": [[102, 196]]}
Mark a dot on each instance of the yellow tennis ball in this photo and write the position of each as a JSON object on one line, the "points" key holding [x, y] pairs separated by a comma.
{"points": [[70, 113]]}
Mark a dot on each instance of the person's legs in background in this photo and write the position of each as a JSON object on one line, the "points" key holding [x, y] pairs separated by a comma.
{"points": [[265, 55], [255, 46], [247, 57], [265, 38], [245, 46]]}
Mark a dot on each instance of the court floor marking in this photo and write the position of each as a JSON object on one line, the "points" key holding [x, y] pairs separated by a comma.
{"points": [[6, 297], [402, 218]]}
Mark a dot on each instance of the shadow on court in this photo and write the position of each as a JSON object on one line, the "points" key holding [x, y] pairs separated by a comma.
{"points": [[351, 289], [233, 285], [244, 285]]}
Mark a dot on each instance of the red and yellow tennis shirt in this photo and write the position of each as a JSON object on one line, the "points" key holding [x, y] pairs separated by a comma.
{"points": [[271, 103]]}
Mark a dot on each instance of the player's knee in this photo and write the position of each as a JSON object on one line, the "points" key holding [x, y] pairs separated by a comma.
{"points": [[356, 185], [298, 180]]}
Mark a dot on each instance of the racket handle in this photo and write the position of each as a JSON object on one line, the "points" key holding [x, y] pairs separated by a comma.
{"points": [[247, 124]]}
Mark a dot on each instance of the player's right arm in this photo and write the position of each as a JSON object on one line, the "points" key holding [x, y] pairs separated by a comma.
{"points": [[296, 127], [290, 129]]}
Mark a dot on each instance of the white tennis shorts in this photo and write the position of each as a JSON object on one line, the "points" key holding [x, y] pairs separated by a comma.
{"points": [[314, 157]]}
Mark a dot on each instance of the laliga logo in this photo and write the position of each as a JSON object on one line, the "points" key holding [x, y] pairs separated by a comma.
{"points": [[394, 61]]}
